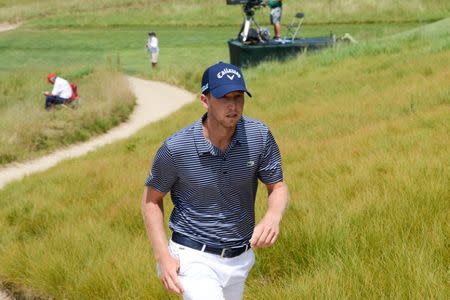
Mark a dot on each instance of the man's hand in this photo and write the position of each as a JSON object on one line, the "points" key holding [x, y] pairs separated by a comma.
{"points": [[153, 211], [46, 93], [266, 231], [169, 268]]}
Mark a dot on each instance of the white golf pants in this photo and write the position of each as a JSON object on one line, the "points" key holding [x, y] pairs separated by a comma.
{"points": [[206, 276]]}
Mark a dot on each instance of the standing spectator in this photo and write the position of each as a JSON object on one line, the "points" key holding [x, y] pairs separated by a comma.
{"points": [[276, 7], [152, 46], [211, 169], [60, 93]]}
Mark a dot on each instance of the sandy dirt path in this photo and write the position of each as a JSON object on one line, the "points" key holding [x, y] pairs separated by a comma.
{"points": [[154, 101], [6, 26]]}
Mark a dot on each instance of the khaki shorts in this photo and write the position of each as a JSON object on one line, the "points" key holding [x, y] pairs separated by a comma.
{"points": [[275, 15], [154, 57]]}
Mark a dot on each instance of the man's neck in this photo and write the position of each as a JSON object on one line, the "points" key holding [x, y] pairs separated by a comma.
{"points": [[218, 135]]}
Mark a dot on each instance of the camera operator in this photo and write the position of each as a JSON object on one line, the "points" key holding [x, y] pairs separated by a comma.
{"points": [[276, 7]]}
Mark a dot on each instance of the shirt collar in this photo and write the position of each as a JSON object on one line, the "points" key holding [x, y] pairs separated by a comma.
{"points": [[205, 147]]}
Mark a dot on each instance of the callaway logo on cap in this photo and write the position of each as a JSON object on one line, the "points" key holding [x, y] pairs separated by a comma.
{"points": [[221, 79]]}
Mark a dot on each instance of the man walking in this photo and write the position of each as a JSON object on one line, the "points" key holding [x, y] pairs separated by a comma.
{"points": [[211, 169], [60, 93]]}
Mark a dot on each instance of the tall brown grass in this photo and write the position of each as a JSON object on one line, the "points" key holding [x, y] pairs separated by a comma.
{"points": [[364, 136], [28, 131], [215, 12]]}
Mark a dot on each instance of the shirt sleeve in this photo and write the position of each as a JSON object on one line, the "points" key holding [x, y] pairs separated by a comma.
{"points": [[163, 173], [270, 170], [57, 89]]}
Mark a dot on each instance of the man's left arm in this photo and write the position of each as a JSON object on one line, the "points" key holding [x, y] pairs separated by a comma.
{"points": [[266, 231]]}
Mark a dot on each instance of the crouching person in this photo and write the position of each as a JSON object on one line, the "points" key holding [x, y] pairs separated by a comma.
{"points": [[60, 93]]}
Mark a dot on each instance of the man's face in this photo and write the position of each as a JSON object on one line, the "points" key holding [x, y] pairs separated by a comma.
{"points": [[227, 110]]}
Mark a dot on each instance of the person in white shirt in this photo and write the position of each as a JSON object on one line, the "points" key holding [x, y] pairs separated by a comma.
{"points": [[60, 93], [152, 47]]}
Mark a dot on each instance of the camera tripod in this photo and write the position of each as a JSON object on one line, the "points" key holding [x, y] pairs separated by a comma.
{"points": [[249, 11]]}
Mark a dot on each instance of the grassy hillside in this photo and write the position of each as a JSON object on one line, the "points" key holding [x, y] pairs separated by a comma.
{"points": [[29, 53], [210, 12], [364, 136], [29, 131], [79, 35], [26, 129]]}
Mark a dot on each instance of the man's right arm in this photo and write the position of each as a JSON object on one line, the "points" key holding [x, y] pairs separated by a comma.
{"points": [[153, 212]]}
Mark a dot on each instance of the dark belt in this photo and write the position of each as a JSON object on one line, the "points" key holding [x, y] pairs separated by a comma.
{"points": [[223, 252]]}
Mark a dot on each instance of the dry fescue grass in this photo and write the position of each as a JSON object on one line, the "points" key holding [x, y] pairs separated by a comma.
{"points": [[29, 131], [212, 12], [366, 148], [364, 136]]}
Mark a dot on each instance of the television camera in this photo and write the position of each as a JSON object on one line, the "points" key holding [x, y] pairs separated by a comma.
{"points": [[246, 2], [247, 34]]}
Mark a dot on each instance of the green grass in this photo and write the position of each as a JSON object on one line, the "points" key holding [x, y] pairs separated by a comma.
{"points": [[363, 131], [30, 53], [364, 136], [211, 12], [124, 47]]}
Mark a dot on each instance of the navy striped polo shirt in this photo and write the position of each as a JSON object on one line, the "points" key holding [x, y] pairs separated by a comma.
{"points": [[213, 192]]}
